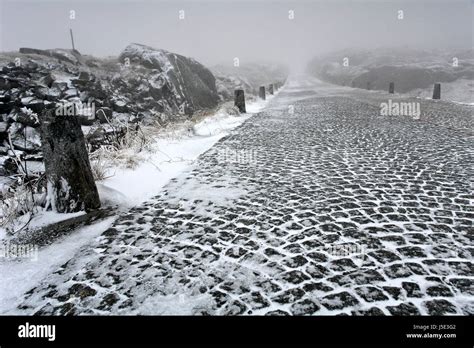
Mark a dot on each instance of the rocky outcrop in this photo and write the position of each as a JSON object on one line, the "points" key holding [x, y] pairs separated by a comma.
{"points": [[183, 84], [70, 56], [157, 85]]}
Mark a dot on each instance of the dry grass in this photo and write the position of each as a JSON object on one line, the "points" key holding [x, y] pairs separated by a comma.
{"points": [[24, 197], [138, 141], [127, 151]]}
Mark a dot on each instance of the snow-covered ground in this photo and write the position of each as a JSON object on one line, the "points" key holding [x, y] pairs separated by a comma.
{"points": [[459, 91], [289, 234], [20, 275], [170, 155]]}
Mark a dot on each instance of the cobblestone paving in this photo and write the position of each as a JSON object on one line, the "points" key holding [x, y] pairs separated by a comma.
{"points": [[331, 209]]}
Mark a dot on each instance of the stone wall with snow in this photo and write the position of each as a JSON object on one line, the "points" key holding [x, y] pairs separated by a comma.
{"points": [[157, 85]]}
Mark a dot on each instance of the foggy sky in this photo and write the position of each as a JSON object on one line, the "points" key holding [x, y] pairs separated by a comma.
{"points": [[217, 31]]}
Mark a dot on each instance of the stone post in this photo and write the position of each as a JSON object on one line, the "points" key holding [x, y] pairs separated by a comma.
{"points": [[437, 91], [70, 183], [239, 100], [391, 88], [261, 92]]}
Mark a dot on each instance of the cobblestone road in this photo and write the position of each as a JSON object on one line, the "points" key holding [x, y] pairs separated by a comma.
{"points": [[328, 209]]}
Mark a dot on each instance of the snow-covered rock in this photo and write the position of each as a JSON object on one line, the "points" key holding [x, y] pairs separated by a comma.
{"points": [[70, 56], [183, 84], [157, 85]]}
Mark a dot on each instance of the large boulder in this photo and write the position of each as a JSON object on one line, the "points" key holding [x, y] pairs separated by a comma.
{"points": [[183, 83]]}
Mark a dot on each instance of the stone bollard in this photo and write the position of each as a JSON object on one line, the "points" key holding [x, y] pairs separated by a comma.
{"points": [[437, 91], [270, 89], [261, 92], [391, 88], [239, 100], [71, 186]]}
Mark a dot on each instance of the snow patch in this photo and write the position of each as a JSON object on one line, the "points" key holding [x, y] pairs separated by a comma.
{"points": [[175, 304], [19, 276], [171, 154]]}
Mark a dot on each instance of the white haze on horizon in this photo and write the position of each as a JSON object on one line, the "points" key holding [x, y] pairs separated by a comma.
{"points": [[216, 32]]}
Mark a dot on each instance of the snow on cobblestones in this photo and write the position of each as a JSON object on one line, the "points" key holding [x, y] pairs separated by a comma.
{"points": [[343, 211]]}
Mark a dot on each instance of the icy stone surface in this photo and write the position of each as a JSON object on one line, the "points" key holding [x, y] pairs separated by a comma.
{"points": [[270, 234]]}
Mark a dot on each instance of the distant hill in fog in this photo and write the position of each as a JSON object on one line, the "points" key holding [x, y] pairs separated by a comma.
{"points": [[410, 70]]}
